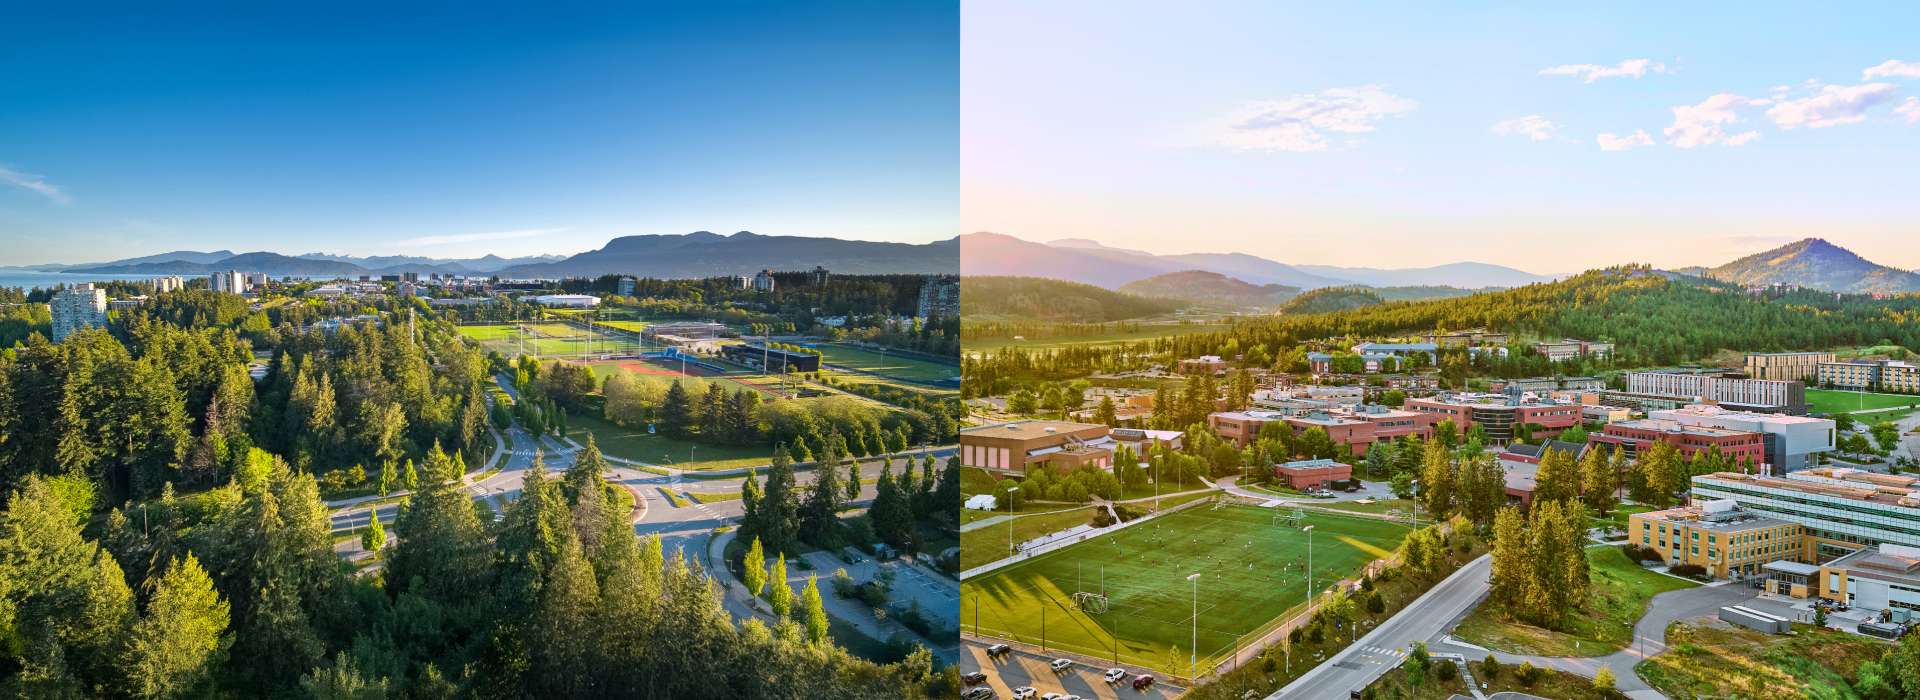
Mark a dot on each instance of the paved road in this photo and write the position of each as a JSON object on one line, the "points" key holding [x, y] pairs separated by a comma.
{"points": [[1384, 647], [1022, 668]]}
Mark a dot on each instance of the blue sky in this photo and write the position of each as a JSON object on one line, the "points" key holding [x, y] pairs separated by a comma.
{"points": [[1325, 133], [358, 130]]}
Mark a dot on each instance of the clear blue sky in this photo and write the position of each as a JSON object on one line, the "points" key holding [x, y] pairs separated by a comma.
{"points": [[1402, 134], [504, 129]]}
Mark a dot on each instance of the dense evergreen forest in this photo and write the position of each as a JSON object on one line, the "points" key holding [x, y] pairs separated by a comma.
{"points": [[1039, 299]]}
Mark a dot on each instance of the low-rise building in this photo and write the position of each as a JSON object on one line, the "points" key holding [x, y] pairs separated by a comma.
{"points": [[1204, 364], [771, 359], [1500, 415], [1863, 375], [568, 301], [1772, 396], [1019, 447], [1569, 348], [1841, 510], [1883, 577], [1306, 475], [1792, 442], [1466, 339], [1726, 540], [1636, 436], [1785, 366], [1143, 441]]}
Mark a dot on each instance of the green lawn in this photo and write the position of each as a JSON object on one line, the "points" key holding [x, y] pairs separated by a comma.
{"points": [[1832, 401], [1616, 600], [894, 366], [1403, 505], [984, 544], [1404, 684], [636, 444], [1252, 572], [635, 326], [544, 339]]}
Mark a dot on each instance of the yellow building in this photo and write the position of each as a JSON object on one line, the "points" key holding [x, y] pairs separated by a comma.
{"points": [[1719, 537]]}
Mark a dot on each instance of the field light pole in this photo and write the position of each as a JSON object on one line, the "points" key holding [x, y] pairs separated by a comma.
{"points": [[1010, 491], [1193, 649], [1309, 530]]}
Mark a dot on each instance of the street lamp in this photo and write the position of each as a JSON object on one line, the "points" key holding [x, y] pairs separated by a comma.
{"points": [[1010, 491], [1309, 530], [1193, 650]]}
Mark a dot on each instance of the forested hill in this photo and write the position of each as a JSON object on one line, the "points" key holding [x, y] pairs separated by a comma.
{"points": [[1037, 299], [1212, 289], [1651, 319], [1332, 299]]}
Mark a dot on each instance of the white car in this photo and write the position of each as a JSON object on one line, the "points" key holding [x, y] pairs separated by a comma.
{"points": [[1061, 665], [1115, 674], [1052, 696], [1025, 692]]}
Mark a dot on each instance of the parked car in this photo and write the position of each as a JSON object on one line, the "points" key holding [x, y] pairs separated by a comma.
{"points": [[998, 650], [974, 678], [1061, 665], [1114, 675], [1025, 692], [1142, 682], [979, 692]]}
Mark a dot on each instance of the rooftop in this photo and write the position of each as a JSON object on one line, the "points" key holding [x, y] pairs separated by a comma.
{"points": [[1673, 426], [1029, 428], [1712, 411], [1852, 484], [1887, 562], [1311, 464], [1711, 517]]}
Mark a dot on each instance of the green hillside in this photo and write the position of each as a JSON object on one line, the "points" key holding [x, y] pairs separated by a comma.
{"points": [[1039, 299], [1332, 299], [1211, 289]]}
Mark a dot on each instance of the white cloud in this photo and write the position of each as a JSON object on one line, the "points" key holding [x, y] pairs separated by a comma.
{"points": [[33, 183], [1299, 123], [1892, 69], [1532, 126], [452, 238], [1706, 123], [1615, 142], [1909, 110], [1588, 72], [1833, 105]]}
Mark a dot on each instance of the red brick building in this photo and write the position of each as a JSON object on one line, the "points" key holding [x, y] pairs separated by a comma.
{"points": [[1500, 415], [1016, 448], [1312, 473], [1638, 435]]}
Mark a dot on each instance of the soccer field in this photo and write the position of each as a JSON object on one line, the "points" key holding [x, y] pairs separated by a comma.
{"points": [[1252, 569], [892, 366], [548, 339], [1834, 401]]}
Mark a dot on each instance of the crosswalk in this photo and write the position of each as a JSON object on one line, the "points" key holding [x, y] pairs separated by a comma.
{"points": [[1392, 656]]}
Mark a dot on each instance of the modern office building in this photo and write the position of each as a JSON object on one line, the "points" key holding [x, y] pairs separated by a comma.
{"points": [[1840, 510], [1770, 395], [1792, 442], [1785, 366], [1016, 448], [1869, 375], [231, 282], [1636, 436], [78, 308], [1719, 536], [1569, 348], [940, 297], [1500, 415]]}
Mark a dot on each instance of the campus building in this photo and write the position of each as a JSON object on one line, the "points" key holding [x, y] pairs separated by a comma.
{"points": [[1143, 441], [1543, 385], [1016, 448], [1785, 366], [1864, 375], [231, 281], [1883, 577], [1567, 349], [568, 301], [1466, 339], [1357, 427], [1636, 436], [1840, 510], [1500, 415], [1792, 442], [172, 283], [78, 308], [1399, 350], [1204, 364], [771, 359], [1719, 536], [1769, 395], [1309, 474]]}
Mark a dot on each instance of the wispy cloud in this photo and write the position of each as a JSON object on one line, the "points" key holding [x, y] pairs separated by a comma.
{"points": [[1706, 123], [1589, 72], [1301, 123], [1909, 110], [448, 239], [1616, 142], [1831, 105], [1892, 69], [33, 183], [1532, 126]]}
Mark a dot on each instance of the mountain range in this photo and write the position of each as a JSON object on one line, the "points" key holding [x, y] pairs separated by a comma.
{"points": [[1816, 264], [1081, 260], [693, 255], [1211, 289]]}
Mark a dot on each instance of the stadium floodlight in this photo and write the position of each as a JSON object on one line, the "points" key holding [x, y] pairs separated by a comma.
{"points": [[1193, 651], [1309, 530], [1010, 491]]}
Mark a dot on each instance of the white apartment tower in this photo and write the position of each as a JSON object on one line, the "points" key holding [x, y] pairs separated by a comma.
{"points": [[231, 281], [78, 308]]}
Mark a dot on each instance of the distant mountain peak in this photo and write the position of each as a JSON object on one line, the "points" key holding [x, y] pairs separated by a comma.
{"points": [[1815, 263]]}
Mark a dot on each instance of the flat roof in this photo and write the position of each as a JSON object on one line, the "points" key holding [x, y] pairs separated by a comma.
{"points": [[1791, 567], [1666, 425], [1029, 428], [1883, 489], [1696, 516], [1880, 564]]}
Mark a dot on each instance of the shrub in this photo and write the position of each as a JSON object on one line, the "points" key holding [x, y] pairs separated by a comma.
{"points": [[1526, 674], [1603, 679], [1101, 519], [1444, 669], [1690, 570], [1490, 668], [842, 583]]}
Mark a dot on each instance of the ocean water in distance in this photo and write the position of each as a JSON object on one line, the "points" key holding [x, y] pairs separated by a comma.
{"points": [[28, 279]]}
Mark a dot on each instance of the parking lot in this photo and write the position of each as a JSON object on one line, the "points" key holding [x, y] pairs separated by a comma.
{"points": [[1026, 669]]}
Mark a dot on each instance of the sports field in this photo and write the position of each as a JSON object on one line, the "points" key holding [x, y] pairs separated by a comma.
{"points": [[547, 339], [893, 366], [1834, 401], [1252, 566]]}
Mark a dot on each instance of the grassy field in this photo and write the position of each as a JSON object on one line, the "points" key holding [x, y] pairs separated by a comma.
{"points": [[1404, 684], [1252, 572], [1616, 600], [984, 544], [1708, 658], [602, 368], [545, 339], [636, 444], [1831, 401], [635, 326], [893, 366], [1144, 332]]}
